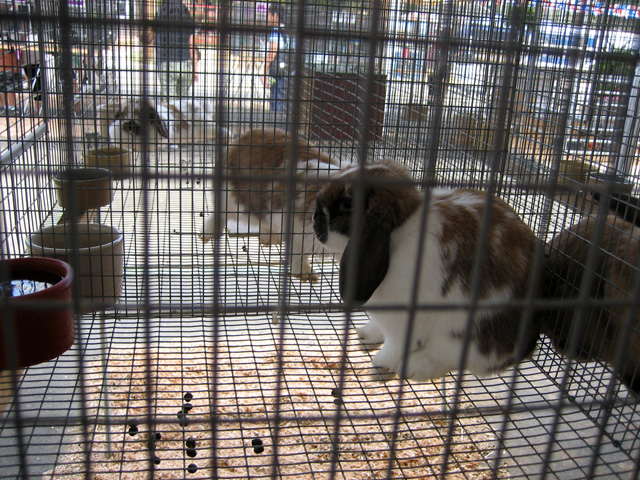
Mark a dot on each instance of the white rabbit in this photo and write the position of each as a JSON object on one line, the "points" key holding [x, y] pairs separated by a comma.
{"points": [[390, 238], [182, 121], [253, 193]]}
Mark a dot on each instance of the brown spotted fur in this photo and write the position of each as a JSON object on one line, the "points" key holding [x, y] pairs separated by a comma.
{"points": [[258, 168], [260, 155], [603, 331]]}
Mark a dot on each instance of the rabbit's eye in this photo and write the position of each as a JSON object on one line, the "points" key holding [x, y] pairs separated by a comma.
{"points": [[132, 126], [345, 204]]}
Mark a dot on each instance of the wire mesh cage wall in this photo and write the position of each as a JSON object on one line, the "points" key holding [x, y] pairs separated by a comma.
{"points": [[201, 341]]}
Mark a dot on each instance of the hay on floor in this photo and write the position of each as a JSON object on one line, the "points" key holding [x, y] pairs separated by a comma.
{"points": [[141, 393]]}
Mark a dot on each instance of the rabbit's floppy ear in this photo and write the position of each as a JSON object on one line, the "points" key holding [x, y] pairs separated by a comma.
{"points": [[371, 251], [121, 112], [131, 126], [155, 120], [386, 208], [371, 264], [159, 123]]}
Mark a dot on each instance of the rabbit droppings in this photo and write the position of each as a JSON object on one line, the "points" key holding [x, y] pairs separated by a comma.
{"points": [[385, 268]]}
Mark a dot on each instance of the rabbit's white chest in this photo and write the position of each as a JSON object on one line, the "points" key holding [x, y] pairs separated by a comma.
{"points": [[404, 273], [434, 346]]}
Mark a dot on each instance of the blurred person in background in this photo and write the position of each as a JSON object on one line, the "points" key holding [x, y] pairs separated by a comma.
{"points": [[278, 66], [177, 57]]}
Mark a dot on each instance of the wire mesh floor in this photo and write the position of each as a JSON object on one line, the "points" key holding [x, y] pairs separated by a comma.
{"points": [[286, 393]]}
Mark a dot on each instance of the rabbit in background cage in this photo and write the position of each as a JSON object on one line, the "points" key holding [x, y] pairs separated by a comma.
{"points": [[623, 205], [386, 252], [181, 121], [256, 204], [603, 332]]}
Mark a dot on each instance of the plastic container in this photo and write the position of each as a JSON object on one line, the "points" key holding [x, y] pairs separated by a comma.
{"points": [[115, 159], [37, 293], [84, 188], [100, 256], [603, 180]]}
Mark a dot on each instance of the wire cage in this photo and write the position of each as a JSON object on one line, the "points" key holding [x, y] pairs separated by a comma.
{"points": [[242, 357]]}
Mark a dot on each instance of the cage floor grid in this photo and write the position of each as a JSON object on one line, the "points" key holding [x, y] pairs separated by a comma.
{"points": [[298, 382], [285, 384], [266, 389]]}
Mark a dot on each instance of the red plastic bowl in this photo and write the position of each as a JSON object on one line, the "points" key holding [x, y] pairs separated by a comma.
{"points": [[42, 320]]}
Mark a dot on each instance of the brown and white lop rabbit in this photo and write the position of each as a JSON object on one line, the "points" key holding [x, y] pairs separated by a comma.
{"points": [[390, 238], [603, 331], [182, 121], [253, 193]]}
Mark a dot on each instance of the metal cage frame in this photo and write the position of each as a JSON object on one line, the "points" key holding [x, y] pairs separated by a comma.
{"points": [[195, 360]]}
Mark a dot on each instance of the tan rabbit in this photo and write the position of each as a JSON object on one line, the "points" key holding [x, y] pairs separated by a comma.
{"points": [[603, 331], [253, 193]]}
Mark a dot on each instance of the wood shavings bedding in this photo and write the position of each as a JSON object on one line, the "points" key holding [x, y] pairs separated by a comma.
{"points": [[152, 425]]}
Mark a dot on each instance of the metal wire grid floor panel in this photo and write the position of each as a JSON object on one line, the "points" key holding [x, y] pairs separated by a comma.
{"points": [[298, 381], [273, 371]]}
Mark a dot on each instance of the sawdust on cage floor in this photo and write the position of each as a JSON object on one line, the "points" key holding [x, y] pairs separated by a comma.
{"points": [[144, 388]]}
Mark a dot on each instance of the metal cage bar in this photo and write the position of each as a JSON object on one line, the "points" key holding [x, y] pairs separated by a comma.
{"points": [[246, 356]]}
